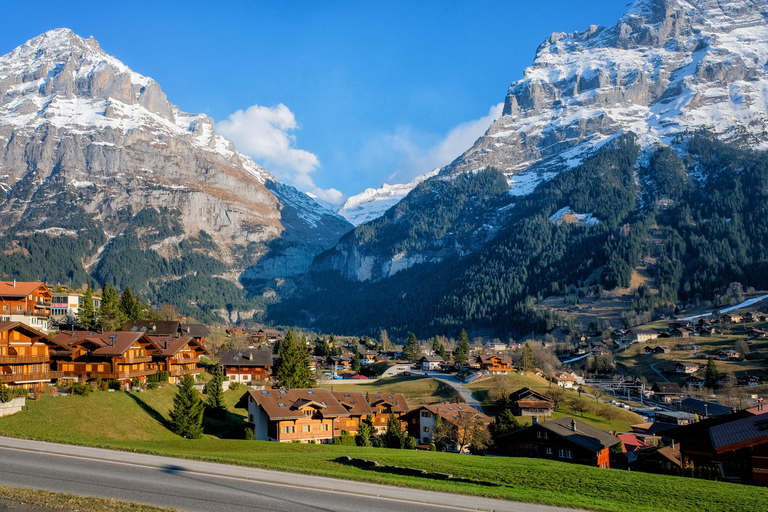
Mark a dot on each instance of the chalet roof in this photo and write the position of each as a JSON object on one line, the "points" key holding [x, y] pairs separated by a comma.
{"points": [[396, 401], [195, 330], [110, 343], [705, 408], [271, 333], [170, 346], [666, 388], [670, 454], [431, 359], [642, 331], [452, 412], [565, 376], [354, 402], [153, 327], [340, 359], [287, 404], [526, 397], [580, 433], [488, 358], [7, 326], [631, 442], [740, 433], [249, 357], [688, 365], [19, 288]]}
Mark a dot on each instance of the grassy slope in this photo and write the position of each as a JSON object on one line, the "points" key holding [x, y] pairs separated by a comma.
{"points": [[46, 500], [625, 419], [117, 420], [418, 391]]}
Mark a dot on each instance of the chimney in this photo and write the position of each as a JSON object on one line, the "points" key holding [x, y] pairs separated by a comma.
{"points": [[573, 424], [154, 327], [534, 420], [14, 283]]}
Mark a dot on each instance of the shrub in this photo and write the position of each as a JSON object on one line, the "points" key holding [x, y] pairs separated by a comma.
{"points": [[249, 434], [5, 394], [80, 389], [152, 385], [345, 439], [234, 386], [113, 384], [20, 392]]}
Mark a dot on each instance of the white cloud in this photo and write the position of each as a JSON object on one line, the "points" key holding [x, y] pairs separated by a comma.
{"points": [[264, 133], [415, 158]]}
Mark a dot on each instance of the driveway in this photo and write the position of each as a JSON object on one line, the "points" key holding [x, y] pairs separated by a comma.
{"points": [[452, 381]]}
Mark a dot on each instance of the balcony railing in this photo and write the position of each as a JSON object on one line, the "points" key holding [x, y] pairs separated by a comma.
{"points": [[132, 360], [24, 377], [183, 371], [12, 359]]}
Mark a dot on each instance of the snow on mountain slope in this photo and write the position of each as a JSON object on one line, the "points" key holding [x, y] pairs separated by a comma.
{"points": [[373, 203], [667, 66]]}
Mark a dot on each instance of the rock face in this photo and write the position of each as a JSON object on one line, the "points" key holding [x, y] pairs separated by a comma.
{"points": [[81, 131], [667, 67]]}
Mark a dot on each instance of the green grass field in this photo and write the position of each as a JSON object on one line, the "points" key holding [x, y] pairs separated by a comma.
{"points": [[417, 390], [137, 422], [31, 499]]}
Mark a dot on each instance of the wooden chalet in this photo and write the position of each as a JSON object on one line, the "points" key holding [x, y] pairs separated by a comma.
{"points": [[247, 365], [25, 357], [527, 402], [666, 391], [736, 445], [267, 336], [694, 380], [495, 363], [421, 421], [686, 368], [383, 405], [564, 379], [165, 328], [368, 356], [178, 356], [339, 363], [565, 439], [296, 415], [117, 355], [641, 335], [357, 407], [27, 302], [663, 461], [731, 319], [728, 355], [428, 363]]}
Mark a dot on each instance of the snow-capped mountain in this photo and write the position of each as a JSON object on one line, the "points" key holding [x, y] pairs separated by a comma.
{"points": [[373, 202], [83, 137], [667, 67]]}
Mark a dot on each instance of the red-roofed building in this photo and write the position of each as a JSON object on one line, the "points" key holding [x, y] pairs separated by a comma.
{"points": [[26, 302], [421, 421], [177, 356], [25, 356]]}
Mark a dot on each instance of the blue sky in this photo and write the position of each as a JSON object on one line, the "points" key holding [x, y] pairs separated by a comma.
{"points": [[333, 97]]}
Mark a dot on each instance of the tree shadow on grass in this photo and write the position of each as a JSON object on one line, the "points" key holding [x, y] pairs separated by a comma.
{"points": [[154, 414], [228, 426]]}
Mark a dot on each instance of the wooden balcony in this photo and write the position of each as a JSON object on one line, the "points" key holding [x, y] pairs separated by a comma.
{"points": [[11, 359], [133, 360], [25, 377], [180, 372]]}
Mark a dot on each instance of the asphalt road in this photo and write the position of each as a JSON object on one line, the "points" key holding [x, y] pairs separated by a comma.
{"points": [[209, 487]]}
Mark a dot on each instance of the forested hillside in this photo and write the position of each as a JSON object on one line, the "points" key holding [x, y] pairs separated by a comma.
{"points": [[696, 212]]}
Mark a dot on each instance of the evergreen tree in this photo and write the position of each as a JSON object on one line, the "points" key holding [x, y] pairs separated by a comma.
{"points": [[504, 423], [356, 361], [6, 393], [411, 349], [111, 317], [187, 413], [86, 316], [436, 344], [528, 361], [127, 304], [711, 374], [462, 349], [364, 432], [394, 437], [441, 352], [216, 406], [293, 371]]}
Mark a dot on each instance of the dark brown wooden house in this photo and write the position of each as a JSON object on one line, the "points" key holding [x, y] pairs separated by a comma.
{"points": [[178, 356], [247, 365], [25, 356], [527, 402]]}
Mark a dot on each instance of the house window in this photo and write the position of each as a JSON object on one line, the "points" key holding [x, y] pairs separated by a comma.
{"points": [[307, 428], [426, 414], [250, 418], [308, 413], [565, 454], [549, 450], [325, 427], [546, 435], [289, 430], [426, 429], [18, 308]]}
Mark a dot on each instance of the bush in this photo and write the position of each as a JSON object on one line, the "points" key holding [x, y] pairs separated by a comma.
{"points": [[113, 384], [345, 439], [5, 394], [249, 434], [136, 382], [20, 392], [234, 386], [153, 385], [80, 389]]}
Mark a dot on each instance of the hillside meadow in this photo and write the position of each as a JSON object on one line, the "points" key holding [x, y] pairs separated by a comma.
{"points": [[138, 422]]}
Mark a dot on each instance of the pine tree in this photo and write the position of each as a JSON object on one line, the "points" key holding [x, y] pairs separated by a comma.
{"points": [[528, 361], [711, 374], [436, 344], [293, 371], [111, 317], [411, 348], [127, 303], [441, 352], [215, 406], [462, 349], [187, 413], [356, 361], [364, 432], [86, 316], [394, 437]]}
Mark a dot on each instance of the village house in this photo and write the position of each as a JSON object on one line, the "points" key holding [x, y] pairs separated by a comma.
{"points": [[527, 402], [25, 357], [421, 421], [663, 461], [168, 328], [564, 379], [383, 405], [247, 365], [675, 417], [736, 445], [428, 363], [117, 355], [495, 363], [693, 380], [666, 391], [731, 319], [267, 336], [66, 305], [728, 355], [368, 356], [178, 356], [338, 363], [686, 368], [565, 439], [296, 415], [641, 335], [26, 302], [703, 409], [357, 407], [681, 332]]}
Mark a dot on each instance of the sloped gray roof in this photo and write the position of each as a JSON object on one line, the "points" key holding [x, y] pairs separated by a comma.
{"points": [[584, 435], [246, 358], [752, 430]]}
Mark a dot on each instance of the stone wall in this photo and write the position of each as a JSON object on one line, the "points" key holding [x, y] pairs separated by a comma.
{"points": [[12, 407]]}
